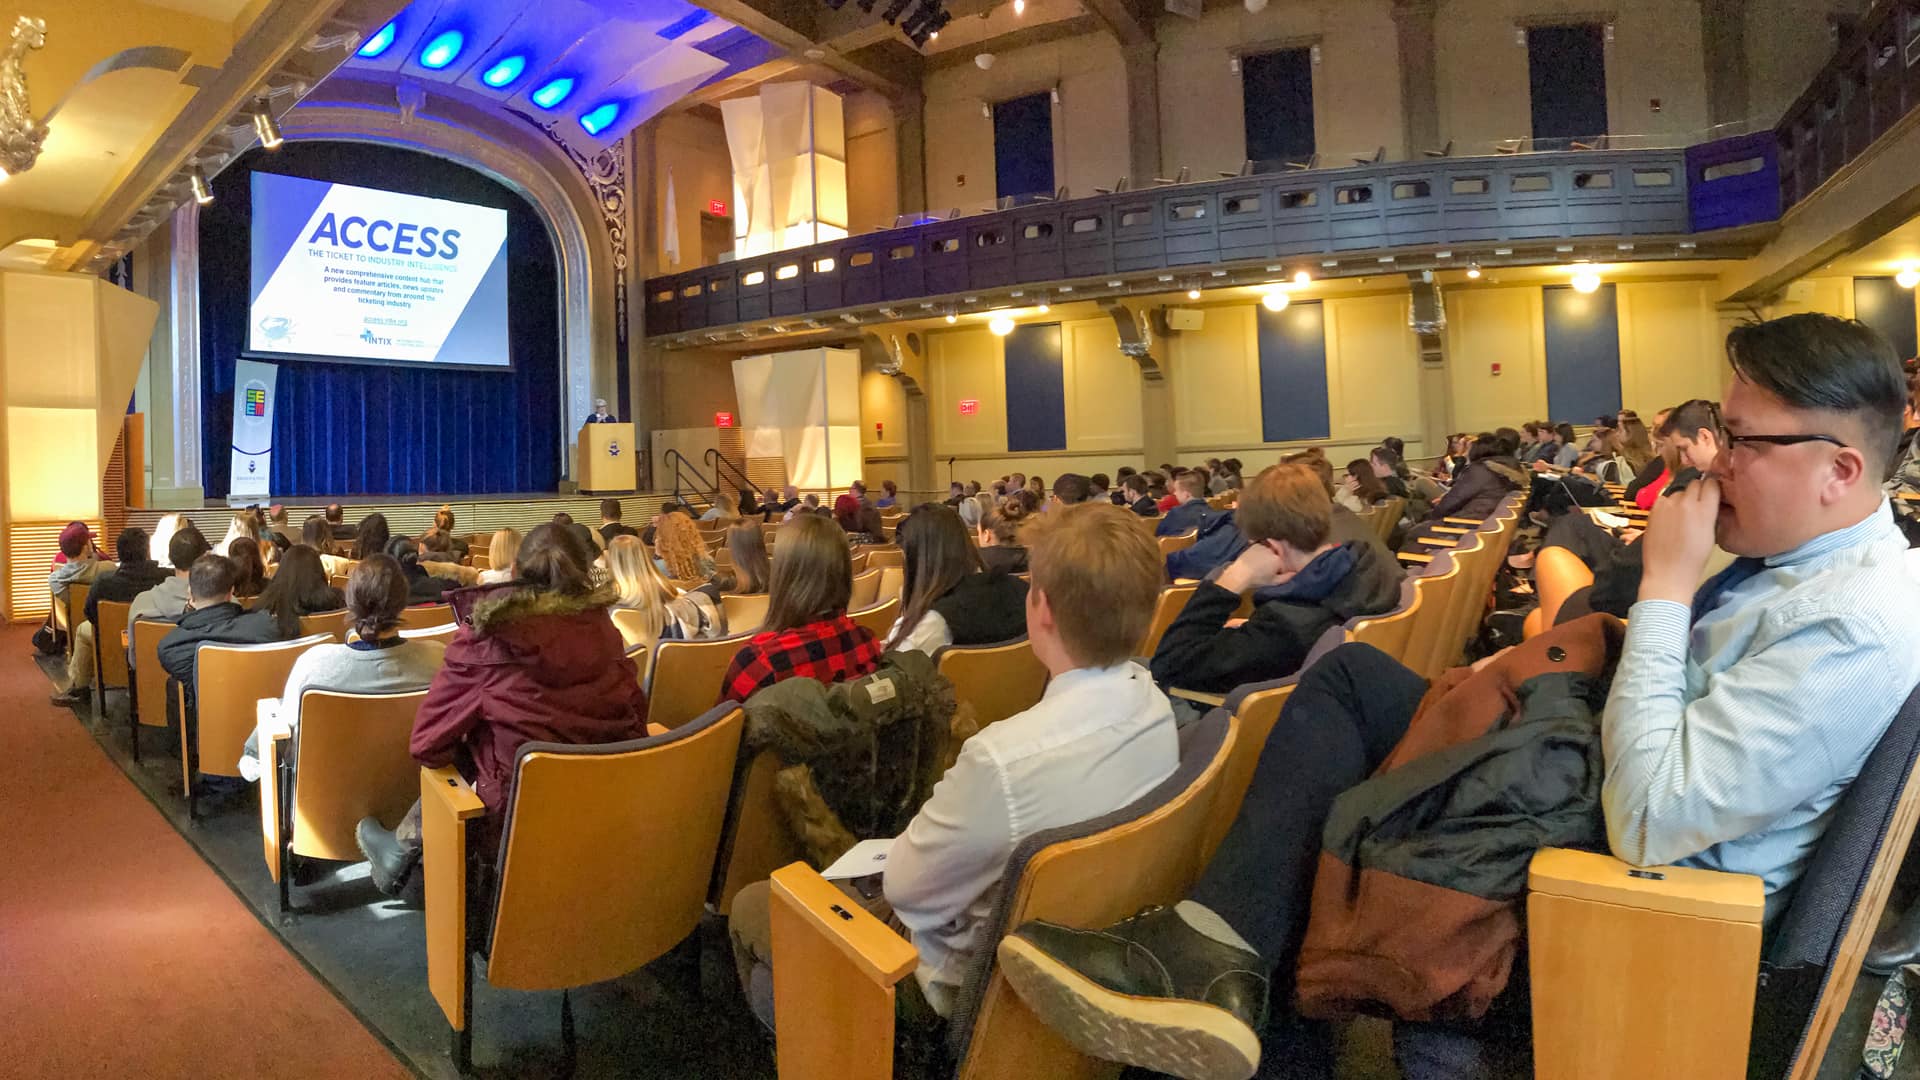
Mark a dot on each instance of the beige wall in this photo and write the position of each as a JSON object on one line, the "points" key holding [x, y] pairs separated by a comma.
{"points": [[1089, 124], [1356, 87], [1482, 72], [694, 384], [1787, 43], [693, 145], [873, 179]]}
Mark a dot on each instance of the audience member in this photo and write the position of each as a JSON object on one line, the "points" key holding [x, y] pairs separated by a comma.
{"points": [[1001, 549], [889, 495], [1134, 493], [684, 618], [1071, 489], [336, 522], [534, 660], [861, 523], [681, 552], [1189, 511], [250, 568], [135, 574], [78, 563], [214, 619], [315, 534], [1360, 491], [370, 536], [725, 507], [649, 534], [752, 569], [1097, 488], [949, 598], [807, 632], [423, 587], [167, 601], [956, 493], [1302, 582], [789, 498], [242, 525], [443, 524], [298, 588], [377, 660], [1739, 712], [276, 530], [1386, 468], [500, 556], [1490, 474], [162, 541]]}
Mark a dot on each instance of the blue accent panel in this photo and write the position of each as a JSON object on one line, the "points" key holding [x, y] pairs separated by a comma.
{"points": [[1023, 145], [1881, 303], [1583, 353], [1293, 373], [1036, 389], [1734, 196], [294, 199], [365, 429]]}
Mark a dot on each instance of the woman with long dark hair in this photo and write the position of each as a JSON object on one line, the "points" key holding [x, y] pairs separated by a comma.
{"points": [[950, 597], [370, 536], [422, 586], [752, 568], [298, 588], [807, 632], [1359, 490], [245, 553]]}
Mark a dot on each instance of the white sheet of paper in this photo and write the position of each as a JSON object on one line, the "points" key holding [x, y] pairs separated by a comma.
{"points": [[1611, 521], [865, 857]]}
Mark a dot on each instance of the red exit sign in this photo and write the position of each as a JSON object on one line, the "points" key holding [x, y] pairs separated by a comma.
{"points": [[716, 208], [723, 419], [969, 406]]}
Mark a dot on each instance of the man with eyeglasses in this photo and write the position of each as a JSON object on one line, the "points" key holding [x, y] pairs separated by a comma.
{"points": [[1742, 708]]}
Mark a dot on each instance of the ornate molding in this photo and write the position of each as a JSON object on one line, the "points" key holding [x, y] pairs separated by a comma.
{"points": [[606, 176], [20, 134]]}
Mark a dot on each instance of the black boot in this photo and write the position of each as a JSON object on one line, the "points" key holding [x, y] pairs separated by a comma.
{"points": [[390, 864], [1896, 946], [1173, 990]]}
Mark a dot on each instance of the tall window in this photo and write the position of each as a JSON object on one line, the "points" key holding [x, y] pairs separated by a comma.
{"points": [[1567, 71], [1023, 146], [1278, 89]]}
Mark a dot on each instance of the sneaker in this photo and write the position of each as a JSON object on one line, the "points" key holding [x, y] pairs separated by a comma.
{"points": [[389, 864], [74, 695], [1173, 990]]}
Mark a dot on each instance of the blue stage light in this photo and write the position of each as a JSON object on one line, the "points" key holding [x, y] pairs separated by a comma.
{"points": [[504, 72], [601, 118], [381, 41], [553, 93], [442, 50]]}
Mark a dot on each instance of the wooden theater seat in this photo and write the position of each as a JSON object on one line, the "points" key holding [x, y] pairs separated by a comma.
{"points": [[1391, 632], [879, 619], [605, 861], [149, 679], [109, 658], [229, 681], [1173, 600], [745, 611], [443, 633], [425, 615], [835, 965], [997, 680], [1386, 515], [326, 622], [71, 611], [756, 841], [1180, 542], [885, 556], [893, 584], [629, 622], [353, 763], [685, 679], [1660, 971], [866, 590]]}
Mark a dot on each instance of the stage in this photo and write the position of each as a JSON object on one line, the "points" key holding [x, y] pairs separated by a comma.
{"points": [[412, 515]]}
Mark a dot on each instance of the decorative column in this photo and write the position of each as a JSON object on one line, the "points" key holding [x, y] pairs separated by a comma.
{"points": [[177, 478]]}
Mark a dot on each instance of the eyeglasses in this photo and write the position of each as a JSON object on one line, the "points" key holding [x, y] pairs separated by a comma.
{"points": [[1784, 440]]}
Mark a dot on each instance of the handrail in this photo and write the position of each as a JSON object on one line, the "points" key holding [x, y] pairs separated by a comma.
{"points": [[1857, 97], [684, 471], [725, 469]]}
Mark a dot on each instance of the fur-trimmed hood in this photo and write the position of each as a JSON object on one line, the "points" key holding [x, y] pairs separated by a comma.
{"points": [[492, 607], [1509, 469]]}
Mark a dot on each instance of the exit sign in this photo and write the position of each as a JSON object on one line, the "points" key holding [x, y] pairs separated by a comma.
{"points": [[969, 406], [716, 208], [723, 419]]}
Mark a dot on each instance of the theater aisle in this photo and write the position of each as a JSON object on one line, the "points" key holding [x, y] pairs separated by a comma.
{"points": [[121, 952]]}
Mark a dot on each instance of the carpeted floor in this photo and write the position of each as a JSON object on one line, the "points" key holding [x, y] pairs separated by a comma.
{"points": [[120, 953], [368, 952]]}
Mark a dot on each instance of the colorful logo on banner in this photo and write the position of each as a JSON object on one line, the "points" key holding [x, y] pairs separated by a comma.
{"points": [[256, 400], [252, 429]]}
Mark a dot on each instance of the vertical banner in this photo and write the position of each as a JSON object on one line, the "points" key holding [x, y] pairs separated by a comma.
{"points": [[253, 393]]}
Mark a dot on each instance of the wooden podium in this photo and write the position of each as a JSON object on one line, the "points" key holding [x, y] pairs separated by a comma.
{"points": [[605, 461]]}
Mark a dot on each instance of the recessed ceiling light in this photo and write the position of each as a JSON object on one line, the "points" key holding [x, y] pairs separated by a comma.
{"points": [[381, 41], [503, 72]]}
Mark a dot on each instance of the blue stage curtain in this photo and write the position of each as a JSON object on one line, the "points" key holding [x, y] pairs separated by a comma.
{"points": [[366, 429]]}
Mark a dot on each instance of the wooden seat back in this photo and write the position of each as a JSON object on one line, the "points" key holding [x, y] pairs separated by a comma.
{"points": [[745, 611], [352, 763], [887, 555], [1391, 632], [1469, 557], [150, 679], [1436, 588], [893, 584], [608, 852], [997, 680], [1173, 600], [1255, 708], [1177, 542], [426, 615], [229, 680], [880, 618], [1386, 516], [71, 611], [866, 590], [112, 666], [685, 680], [333, 623], [631, 624], [443, 633], [756, 840]]}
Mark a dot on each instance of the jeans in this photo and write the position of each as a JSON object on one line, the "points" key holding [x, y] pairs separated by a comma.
{"points": [[1344, 718]]}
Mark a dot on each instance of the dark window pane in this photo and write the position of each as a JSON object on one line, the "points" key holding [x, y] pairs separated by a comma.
{"points": [[1278, 92], [1023, 145], [1567, 72]]}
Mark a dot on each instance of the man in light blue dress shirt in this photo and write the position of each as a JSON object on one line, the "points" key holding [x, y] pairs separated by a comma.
{"points": [[1740, 710]]}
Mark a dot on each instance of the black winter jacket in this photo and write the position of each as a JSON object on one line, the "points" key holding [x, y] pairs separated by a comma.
{"points": [[1199, 653], [1480, 487], [221, 624]]}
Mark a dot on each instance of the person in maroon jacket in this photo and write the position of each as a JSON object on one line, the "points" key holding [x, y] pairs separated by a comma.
{"points": [[536, 659]]}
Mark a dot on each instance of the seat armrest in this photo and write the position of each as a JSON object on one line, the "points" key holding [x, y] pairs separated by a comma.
{"points": [[1463, 521], [1414, 557], [1640, 971], [834, 970], [1436, 541], [272, 745], [1199, 697], [447, 804], [1450, 530]]}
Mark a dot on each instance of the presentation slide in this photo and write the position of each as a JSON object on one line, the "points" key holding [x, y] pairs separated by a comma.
{"points": [[353, 273]]}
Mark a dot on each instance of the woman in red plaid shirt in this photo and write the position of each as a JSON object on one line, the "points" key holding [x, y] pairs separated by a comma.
{"points": [[807, 632]]}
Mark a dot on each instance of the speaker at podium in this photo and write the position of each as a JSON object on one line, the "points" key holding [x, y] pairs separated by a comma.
{"points": [[605, 459]]}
